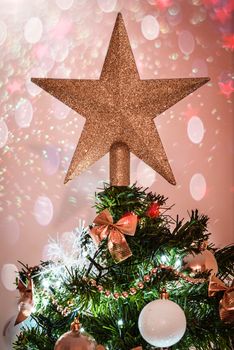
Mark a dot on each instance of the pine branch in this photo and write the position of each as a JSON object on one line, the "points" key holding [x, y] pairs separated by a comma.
{"points": [[111, 321]]}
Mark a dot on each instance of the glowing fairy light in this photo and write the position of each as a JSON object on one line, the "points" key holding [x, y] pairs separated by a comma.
{"points": [[58, 283], [45, 302], [66, 251], [45, 283], [164, 259], [178, 263], [120, 322]]}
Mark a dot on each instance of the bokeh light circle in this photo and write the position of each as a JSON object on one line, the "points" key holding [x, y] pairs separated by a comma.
{"points": [[8, 276], [10, 230], [32, 88], [51, 160], [199, 68], [60, 110], [150, 27], [81, 2], [3, 133], [174, 10], [145, 175], [46, 64], [107, 5], [3, 32], [43, 210], [174, 14], [197, 187], [186, 42], [33, 30], [59, 50], [195, 129], [23, 113], [64, 4]]}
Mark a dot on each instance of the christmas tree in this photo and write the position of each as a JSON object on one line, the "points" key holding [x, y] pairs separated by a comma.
{"points": [[108, 296], [136, 278]]}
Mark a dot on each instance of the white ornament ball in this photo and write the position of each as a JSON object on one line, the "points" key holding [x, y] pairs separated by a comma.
{"points": [[162, 323]]}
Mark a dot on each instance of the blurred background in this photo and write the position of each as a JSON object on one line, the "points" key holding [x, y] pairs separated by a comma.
{"points": [[38, 134]]}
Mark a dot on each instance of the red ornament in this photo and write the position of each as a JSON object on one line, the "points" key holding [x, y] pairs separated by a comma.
{"points": [[153, 210]]}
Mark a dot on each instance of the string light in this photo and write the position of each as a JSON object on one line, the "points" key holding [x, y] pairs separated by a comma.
{"points": [[164, 259], [120, 322], [45, 283], [139, 285], [178, 263]]}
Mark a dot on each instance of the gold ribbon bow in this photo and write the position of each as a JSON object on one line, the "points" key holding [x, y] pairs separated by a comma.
{"points": [[226, 304], [105, 228]]}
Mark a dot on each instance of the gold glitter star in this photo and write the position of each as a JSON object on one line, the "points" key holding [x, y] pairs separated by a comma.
{"points": [[120, 107]]}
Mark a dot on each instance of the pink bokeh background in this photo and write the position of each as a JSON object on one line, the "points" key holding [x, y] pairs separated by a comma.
{"points": [[38, 134]]}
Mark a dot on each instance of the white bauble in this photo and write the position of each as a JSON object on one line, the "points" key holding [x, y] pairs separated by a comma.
{"points": [[162, 323]]}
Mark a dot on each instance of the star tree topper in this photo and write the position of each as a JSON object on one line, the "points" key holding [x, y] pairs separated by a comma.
{"points": [[120, 108]]}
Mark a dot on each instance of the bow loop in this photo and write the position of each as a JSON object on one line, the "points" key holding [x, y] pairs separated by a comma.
{"points": [[226, 304], [104, 218], [106, 228]]}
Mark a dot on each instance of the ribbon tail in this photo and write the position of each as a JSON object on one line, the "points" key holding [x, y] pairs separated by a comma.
{"points": [[20, 318], [215, 285], [25, 311], [226, 306], [26, 301], [118, 246]]}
